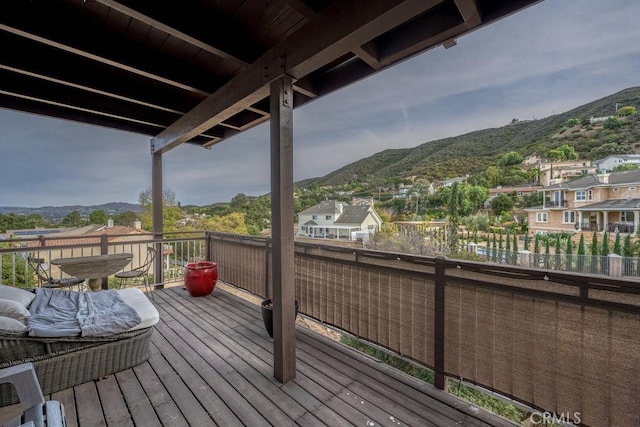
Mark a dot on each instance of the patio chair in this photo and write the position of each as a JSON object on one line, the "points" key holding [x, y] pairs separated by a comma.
{"points": [[41, 269], [138, 272], [37, 412]]}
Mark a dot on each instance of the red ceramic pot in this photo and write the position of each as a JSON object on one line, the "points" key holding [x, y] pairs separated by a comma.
{"points": [[200, 278]]}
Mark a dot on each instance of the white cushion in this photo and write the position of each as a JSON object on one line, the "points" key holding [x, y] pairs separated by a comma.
{"points": [[138, 300], [9, 308], [22, 296], [9, 324]]}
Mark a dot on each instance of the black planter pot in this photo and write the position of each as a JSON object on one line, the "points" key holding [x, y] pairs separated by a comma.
{"points": [[267, 315]]}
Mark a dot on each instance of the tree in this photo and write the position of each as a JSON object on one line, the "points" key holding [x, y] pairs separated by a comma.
{"points": [[170, 210], [605, 244], [510, 159], [231, 223], [569, 253], [98, 217], [626, 111], [493, 176], [627, 253], [453, 219], [613, 123], [617, 249], [126, 218], [73, 219], [558, 251], [581, 253], [477, 195], [502, 203], [594, 252]]}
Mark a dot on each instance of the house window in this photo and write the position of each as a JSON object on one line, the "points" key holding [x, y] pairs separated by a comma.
{"points": [[626, 216], [314, 217], [569, 217], [632, 188], [581, 195], [590, 195], [616, 189], [541, 217], [328, 217]]}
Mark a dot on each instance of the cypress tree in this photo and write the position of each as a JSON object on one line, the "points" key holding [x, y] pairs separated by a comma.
{"points": [[581, 253], [605, 252], [508, 248], [527, 242], [546, 253], [605, 244], [514, 257], [500, 247], [558, 250], [569, 253], [594, 252], [493, 254], [617, 249], [536, 251], [627, 253]]}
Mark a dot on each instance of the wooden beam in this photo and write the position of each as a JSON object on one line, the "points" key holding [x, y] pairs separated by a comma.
{"points": [[301, 8], [283, 256], [344, 25], [369, 55], [172, 31], [101, 59], [470, 11]]}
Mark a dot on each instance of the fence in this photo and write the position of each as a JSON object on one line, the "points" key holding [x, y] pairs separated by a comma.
{"points": [[176, 252], [560, 342], [612, 264]]}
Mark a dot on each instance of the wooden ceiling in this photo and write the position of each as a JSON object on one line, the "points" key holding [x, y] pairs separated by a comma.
{"points": [[198, 71]]}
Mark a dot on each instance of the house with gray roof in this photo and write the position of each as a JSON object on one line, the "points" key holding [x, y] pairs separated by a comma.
{"points": [[605, 202], [331, 219], [608, 163]]}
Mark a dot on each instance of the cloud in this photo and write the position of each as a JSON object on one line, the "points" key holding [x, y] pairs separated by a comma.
{"points": [[547, 59]]}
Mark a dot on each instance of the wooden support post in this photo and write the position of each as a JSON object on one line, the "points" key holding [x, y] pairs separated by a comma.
{"points": [[440, 380], [284, 344], [157, 202], [104, 250]]}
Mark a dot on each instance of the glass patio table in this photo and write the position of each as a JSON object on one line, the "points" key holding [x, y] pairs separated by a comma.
{"points": [[94, 267]]}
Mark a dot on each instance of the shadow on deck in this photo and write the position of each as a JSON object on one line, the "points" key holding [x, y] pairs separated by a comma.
{"points": [[211, 364]]}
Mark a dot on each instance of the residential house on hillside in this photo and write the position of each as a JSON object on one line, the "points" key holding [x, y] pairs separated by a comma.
{"points": [[608, 163], [335, 220], [518, 191], [608, 202], [550, 173]]}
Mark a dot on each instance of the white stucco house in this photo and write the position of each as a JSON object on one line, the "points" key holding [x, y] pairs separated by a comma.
{"points": [[608, 163], [330, 219]]}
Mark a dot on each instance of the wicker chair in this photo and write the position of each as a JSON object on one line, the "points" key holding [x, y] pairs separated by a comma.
{"points": [[41, 269], [139, 272]]}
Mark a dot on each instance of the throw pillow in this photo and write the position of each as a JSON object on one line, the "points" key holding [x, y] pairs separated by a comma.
{"points": [[22, 296], [9, 324], [13, 309]]}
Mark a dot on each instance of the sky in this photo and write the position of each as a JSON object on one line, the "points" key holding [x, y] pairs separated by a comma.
{"points": [[545, 60]]}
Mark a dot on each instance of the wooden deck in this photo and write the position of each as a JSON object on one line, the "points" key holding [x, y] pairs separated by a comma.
{"points": [[211, 364]]}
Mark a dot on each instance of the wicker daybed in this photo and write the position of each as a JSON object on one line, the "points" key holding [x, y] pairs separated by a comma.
{"points": [[64, 362]]}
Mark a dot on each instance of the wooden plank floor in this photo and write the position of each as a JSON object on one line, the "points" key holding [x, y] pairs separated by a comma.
{"points": [[211, 364]]}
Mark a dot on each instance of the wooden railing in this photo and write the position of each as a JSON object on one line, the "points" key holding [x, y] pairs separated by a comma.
{"points": [[566, 343]]}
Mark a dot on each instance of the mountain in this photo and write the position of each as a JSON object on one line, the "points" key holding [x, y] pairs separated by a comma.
{"points": [[56, 213], [475, 151]]}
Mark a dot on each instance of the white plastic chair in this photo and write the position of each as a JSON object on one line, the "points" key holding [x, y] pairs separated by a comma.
{"points": [[37, 411]]}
